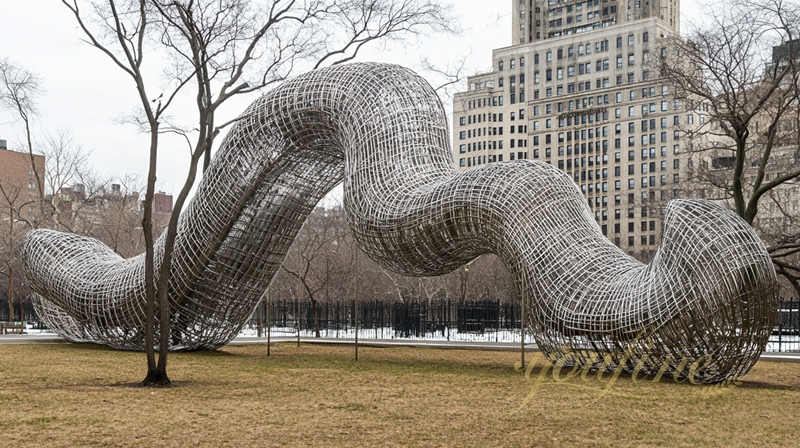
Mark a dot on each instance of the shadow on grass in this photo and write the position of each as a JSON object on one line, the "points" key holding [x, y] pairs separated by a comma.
{"points": [[765, 385]]}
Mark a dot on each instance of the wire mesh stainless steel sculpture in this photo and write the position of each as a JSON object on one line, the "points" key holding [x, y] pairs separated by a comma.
{"points": [[706, 300]]}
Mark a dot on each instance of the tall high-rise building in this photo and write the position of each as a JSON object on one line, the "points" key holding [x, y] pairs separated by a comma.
{"points": [[580, 89], [20, 193], [536, 20]]}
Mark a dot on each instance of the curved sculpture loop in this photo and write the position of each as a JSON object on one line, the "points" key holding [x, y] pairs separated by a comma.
{"points": [[707, 299]]}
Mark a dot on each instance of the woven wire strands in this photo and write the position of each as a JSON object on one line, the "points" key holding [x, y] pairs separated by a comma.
{"points": [[707, 299]]}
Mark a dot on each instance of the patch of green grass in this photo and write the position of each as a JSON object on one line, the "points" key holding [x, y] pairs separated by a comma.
{"points": [[85, 395]]}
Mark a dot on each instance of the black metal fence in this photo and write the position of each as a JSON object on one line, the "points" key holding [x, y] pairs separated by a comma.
{"points": [[28, 313], [488, 320], [485, 320], [786, 332]]}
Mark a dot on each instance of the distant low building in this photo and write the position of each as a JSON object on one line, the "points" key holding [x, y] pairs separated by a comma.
{"points": [[162, 202]]}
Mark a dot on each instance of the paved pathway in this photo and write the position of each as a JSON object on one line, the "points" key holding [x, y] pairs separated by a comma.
{"points": [[458, 345], [50, 338]]}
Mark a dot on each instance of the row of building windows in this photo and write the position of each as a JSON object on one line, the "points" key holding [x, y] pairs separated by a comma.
{"points": [[512, 64], [592, 188], [587, 85], [580, 50], [605, 99], [480, 118], [586, 68], [493, 145], [481, 160], [479, 132], [571, 88], [590, 147], [585, 49]]}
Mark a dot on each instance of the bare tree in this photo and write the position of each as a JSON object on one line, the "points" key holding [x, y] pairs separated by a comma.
{"points": [[319, 256], [65, 166], [738, 77], [118, 217], [221, 49], [14, 221], [21, 196], [19, 88]]}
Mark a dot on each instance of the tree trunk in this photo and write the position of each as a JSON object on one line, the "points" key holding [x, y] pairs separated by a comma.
{"points": [[316, 316], [10, 295], [154, 377]]}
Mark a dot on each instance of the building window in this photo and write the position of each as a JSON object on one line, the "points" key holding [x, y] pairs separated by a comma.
{"points": [[500, 66]]}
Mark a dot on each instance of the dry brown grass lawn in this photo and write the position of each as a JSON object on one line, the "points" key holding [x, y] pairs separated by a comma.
{"points": [[81, 395]]}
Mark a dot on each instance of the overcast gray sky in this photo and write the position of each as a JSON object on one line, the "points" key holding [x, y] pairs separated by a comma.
{"points": [[86, 94]]}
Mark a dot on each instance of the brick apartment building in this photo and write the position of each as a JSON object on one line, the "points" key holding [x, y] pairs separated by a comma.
{"points": [[162, 202], [18, 185]]}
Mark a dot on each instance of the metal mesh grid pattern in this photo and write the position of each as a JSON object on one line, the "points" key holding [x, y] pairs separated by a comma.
{"points": [[707, 299]]}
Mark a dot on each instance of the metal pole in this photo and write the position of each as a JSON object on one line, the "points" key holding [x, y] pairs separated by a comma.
{"points": [[355, 305], [299, 321], [269, 328], [522, 333], [8, 263]]}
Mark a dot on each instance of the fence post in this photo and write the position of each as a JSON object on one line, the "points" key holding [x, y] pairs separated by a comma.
{"points": [[355, 304], [522, 333], [269, 314], [497, 330]]}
